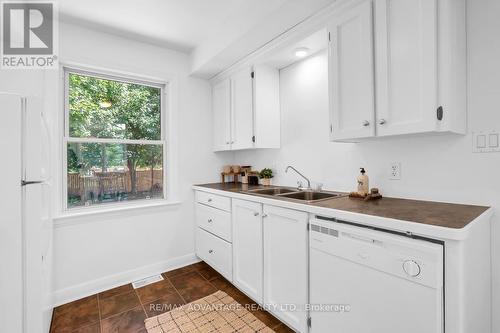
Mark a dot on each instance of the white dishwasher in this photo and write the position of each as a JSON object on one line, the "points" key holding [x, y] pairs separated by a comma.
{"points": [[370, 281]]}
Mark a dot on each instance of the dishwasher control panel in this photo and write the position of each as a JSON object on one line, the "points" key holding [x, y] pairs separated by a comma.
{"points": [[416, 260]]}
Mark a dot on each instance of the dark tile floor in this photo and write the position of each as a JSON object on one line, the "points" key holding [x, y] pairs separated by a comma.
{"points": [[123, 309]]}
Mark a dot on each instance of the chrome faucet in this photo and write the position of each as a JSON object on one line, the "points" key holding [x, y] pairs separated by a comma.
{"points": [[300, 174]]}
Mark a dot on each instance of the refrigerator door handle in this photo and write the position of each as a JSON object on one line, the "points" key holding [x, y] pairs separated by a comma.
{"points": [[31, 182]]}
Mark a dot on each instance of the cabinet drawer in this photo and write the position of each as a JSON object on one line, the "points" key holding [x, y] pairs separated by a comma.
{"points": [[214, 220], [216, 252], [214, 200]]}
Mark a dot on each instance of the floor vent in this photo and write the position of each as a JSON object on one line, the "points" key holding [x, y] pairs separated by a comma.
{"points": [[146, 281]]}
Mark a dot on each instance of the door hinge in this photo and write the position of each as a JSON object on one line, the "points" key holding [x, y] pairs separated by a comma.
{"points": [[308, 226], [253, 138], [252, 74], [331, 128], [309, 322], [439, 113], [329, 37]]}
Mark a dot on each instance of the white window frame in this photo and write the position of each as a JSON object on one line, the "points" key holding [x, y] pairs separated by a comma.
{"points": [[126, 78]]}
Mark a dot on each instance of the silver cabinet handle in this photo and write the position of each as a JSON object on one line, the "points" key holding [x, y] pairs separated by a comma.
{"points": [[210, 251], [209, 200], [256, 214], [210, 221], [366, 123], [264, 215], [382, 121]]}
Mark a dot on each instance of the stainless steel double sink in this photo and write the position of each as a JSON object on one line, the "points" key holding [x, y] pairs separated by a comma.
{"points": [[295, 194]]}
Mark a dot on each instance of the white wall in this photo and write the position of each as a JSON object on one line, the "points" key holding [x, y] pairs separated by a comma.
{"points": [[96, 252], [439, 168]]}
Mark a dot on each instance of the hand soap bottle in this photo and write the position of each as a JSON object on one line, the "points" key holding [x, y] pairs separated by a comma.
{"points": [[363, 183]]}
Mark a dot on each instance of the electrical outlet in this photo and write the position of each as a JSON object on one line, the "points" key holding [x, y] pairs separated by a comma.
{"points": [[395, 171]]}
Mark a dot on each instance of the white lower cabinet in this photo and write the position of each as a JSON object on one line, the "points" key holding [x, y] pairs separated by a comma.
{"points": [[285, 265], [268, 256], [214, 251], [247, 247]]}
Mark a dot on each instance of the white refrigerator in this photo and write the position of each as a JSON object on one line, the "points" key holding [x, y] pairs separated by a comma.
{"points": [[25, 224]]}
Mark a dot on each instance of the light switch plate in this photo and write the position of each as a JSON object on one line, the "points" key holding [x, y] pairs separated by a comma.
{"points": [[486, 142], [493, 140]]}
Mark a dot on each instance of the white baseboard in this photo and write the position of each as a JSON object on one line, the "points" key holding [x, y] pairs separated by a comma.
{"points": [[89, 288]]}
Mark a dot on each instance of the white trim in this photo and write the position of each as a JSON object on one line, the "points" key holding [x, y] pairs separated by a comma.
{"points": [[120, 76], [66, 103], [93, 287], [170, 122], [118, 141], [64, 146], [77, 216], [163, 136]]}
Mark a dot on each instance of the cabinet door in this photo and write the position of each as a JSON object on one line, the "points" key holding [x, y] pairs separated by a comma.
{"points": [[266, 107], [247, 247], [241, 110], [221, 115], [285, 264], [406, 66], [351, 82]]}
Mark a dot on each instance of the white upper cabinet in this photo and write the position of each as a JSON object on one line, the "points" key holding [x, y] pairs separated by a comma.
{"points": [[266, 107], [419, 67], [351, 73], [246, 110], [221, 108], [242, 110], [406, 66]]}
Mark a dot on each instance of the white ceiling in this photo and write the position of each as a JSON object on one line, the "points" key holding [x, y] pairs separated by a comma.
{"points": [[215, 33], [178, 24]]}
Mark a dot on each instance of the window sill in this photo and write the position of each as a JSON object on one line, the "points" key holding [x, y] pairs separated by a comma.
{"points": [[79, 215]]}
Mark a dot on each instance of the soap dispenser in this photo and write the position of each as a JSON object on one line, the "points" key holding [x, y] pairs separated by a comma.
{"points": [[363, 183]]}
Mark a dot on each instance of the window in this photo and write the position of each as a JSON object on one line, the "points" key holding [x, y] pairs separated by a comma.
{"points": [[114, 139]]}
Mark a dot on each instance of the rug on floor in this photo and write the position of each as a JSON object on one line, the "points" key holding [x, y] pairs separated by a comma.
{"points": [[216, 313]]}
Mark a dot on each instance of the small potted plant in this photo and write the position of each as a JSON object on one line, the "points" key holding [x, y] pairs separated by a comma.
{"points": [[266, 174]]}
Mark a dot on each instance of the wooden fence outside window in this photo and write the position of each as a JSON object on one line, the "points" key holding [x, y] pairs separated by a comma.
{"points": [[99, 183]]}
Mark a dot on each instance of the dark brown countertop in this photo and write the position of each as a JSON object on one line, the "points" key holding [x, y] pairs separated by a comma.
{"points": [[448, 215]]}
